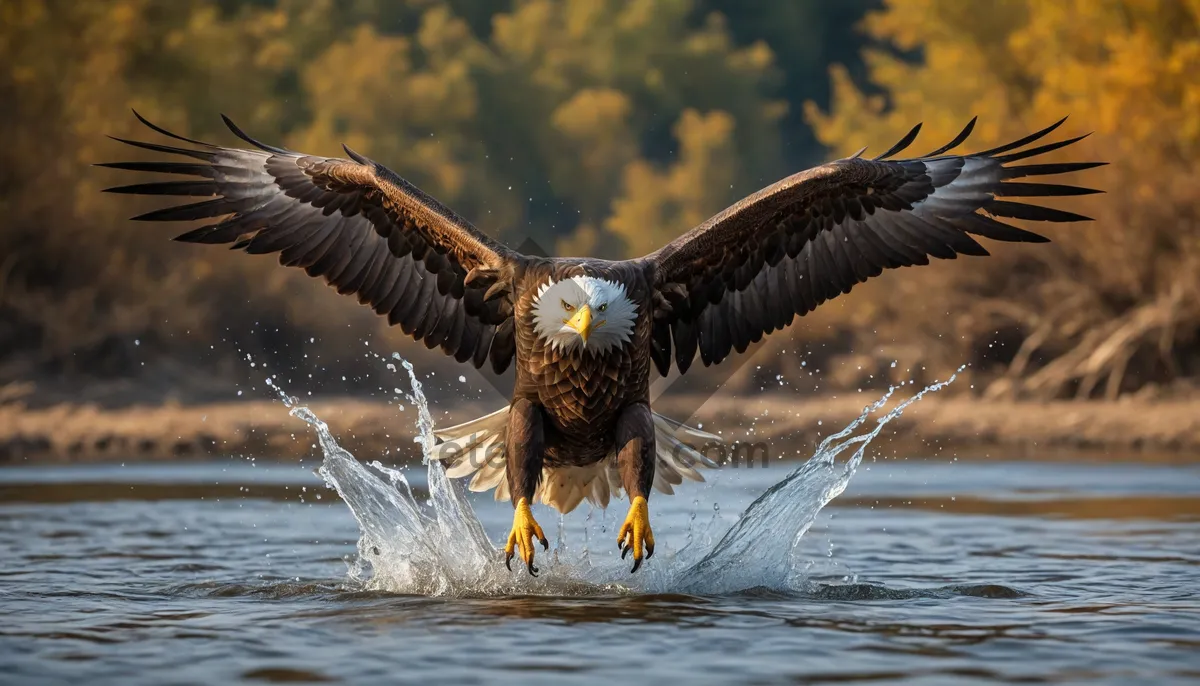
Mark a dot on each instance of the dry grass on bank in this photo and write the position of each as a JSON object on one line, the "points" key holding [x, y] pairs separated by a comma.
{"points": [[936, 426]]}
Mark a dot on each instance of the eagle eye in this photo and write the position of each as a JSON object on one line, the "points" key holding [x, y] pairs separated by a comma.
{"points": [[568, 306], [603, 307]]}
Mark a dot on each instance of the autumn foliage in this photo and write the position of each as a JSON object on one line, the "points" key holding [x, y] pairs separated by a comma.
{"points": [[602, 127], [1115, 305]]}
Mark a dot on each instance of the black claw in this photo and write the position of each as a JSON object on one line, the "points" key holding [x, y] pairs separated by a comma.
{"points": [[533, 571], [649, 551], [637, 562], [545, 544], [625, 551], [508, 561]]}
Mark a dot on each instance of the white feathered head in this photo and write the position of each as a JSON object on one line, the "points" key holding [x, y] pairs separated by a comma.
{"points": [[584, 313]]}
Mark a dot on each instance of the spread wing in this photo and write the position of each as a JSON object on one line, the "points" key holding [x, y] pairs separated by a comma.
{"points": [[355, 223], [793, 245]]}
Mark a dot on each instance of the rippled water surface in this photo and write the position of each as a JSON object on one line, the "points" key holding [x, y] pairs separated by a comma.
{"points": [[925, 571]]}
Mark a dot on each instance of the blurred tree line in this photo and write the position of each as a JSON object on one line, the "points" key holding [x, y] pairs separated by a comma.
{"points": [[601, 127], [1113, 306]]}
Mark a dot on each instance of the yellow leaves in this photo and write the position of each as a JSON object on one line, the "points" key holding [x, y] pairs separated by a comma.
{"points": [[443, 37], [1031, 61], [366, 90], [123, 16], [1131, 73], [590, 108], [582, 16], [583, 242], [853, 124], [609, 72], [643, 214], [594, 144], [22, 15], [530, 129], [519, 33], [708, 160], [595, 122], [1125, 68], [365, 66], [656, 206], [571, 102], [713, 38], [274, 55], [438, 162], [755, 58], [367, 83]]}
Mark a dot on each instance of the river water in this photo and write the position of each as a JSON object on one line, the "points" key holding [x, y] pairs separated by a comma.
{"points": [[921, 571]]}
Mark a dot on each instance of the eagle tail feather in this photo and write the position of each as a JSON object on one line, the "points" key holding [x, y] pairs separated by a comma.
{"points": [[476, 449]]}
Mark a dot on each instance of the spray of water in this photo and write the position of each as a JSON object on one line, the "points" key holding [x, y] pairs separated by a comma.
{"points": [[759, 550], [439, 547]]}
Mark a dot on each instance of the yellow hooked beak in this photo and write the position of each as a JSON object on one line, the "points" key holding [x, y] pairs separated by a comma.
{"points": [[582, 322]]}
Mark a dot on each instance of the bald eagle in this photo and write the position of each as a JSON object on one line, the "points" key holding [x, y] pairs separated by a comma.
{"points": [[585, 332]]}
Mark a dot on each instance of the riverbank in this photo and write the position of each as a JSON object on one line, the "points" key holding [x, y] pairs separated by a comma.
{"points": [[789, 427]]}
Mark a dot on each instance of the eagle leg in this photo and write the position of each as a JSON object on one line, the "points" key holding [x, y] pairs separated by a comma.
{"points": [[525, 452], [635, 533], [635, 458], [525, 528]]}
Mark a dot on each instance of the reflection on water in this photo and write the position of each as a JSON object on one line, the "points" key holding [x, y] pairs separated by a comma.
{"points": [[921, 570], [940, 572], [1181, 508]]}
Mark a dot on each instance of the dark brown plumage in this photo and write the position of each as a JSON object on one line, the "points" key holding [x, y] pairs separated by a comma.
{"points": [[582, 393], [580, 425], [356, 224], [791, 246]]}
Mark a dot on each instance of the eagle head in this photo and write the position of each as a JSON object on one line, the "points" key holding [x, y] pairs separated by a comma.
{"points": [[583, 313]]}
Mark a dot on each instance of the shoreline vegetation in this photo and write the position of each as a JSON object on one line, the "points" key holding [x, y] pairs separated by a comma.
{"points": [[580, 128], [584, 128], [789, 427]]}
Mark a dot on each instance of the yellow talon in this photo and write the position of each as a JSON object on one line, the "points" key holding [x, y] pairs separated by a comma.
{"points": [[524, 530], [635, 531]]}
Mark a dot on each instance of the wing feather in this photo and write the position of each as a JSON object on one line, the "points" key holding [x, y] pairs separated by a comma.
{"points": [[356, 224], [791, 246]]}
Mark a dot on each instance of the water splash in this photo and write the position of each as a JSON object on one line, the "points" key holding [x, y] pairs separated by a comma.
{"points": [[768, 532], [432, 548], [440, 547]]}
